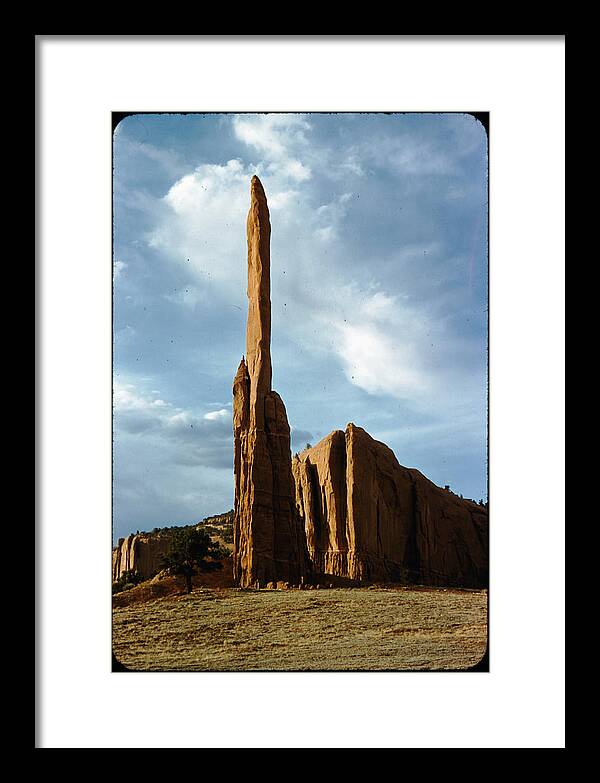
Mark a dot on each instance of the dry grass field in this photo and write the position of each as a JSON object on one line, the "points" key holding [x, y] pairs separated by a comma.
{"points": [[376, 628]]}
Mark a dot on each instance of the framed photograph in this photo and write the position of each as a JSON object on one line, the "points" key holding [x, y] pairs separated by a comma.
{"points": [[300, 326], [345, 255]]}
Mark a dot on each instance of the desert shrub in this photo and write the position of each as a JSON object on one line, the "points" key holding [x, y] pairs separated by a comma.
{"points": [[126, 581], [191, 550]]}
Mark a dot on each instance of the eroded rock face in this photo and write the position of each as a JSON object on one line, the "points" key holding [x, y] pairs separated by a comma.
{"points": [[268, 535], [139, 552], [368, 518], [142, 552]]}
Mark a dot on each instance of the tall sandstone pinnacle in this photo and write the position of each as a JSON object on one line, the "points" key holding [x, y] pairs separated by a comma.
{"points": [[269, 540]]}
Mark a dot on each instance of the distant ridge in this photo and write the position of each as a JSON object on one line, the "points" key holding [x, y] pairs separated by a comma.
{"points": [[142, 552]]}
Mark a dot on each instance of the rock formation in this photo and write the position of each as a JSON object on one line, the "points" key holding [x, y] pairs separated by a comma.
{"points": [[140, 552], [368, 518], [345, 507], [269, 542]]}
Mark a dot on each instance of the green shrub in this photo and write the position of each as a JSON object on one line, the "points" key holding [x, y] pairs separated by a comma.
{"points": [[126, 581], [191, 550]]}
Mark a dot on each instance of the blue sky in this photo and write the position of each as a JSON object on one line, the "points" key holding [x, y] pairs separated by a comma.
{"points": [[378, 290]]}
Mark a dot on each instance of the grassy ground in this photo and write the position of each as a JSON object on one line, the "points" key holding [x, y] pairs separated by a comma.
{"points": [[293, 630]]}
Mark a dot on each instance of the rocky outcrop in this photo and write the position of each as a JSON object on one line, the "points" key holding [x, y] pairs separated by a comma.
{"points": [[269, 542], [140, 552], [368, 518], [224, 521]]}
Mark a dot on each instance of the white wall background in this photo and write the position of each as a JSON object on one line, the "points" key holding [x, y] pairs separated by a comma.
{"points": [[520, 703]]}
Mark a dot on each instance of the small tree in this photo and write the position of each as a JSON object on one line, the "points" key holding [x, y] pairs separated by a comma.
{"points": [[191, 550]]}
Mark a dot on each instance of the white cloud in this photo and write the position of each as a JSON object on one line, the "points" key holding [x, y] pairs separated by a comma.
{"points": [[196, 191], [295, 170], [378, 362], [118, 268], [173, 464], [201, 226], [282, 199], [410, 155], [325, 234], [271, 134], [330, 217], [168, 159], [353, 165], [379, 343], [380, 306], [125, 397], [279, 138], [128, 150], [140, 413], [219, 415]]}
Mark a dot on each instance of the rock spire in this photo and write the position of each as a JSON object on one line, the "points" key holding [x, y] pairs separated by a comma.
{"points": [[269, 541]]}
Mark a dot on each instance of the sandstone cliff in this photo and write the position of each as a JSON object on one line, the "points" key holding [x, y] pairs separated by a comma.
{"points": [[269, 541], [368, 518], [140, 552]]}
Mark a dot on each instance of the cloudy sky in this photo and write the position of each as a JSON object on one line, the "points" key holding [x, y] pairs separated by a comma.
{"points": [[378, 289]]}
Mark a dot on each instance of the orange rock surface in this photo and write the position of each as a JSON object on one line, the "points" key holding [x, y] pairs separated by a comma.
{"points": [[268, 537], [140, 552], [368, 518]]}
